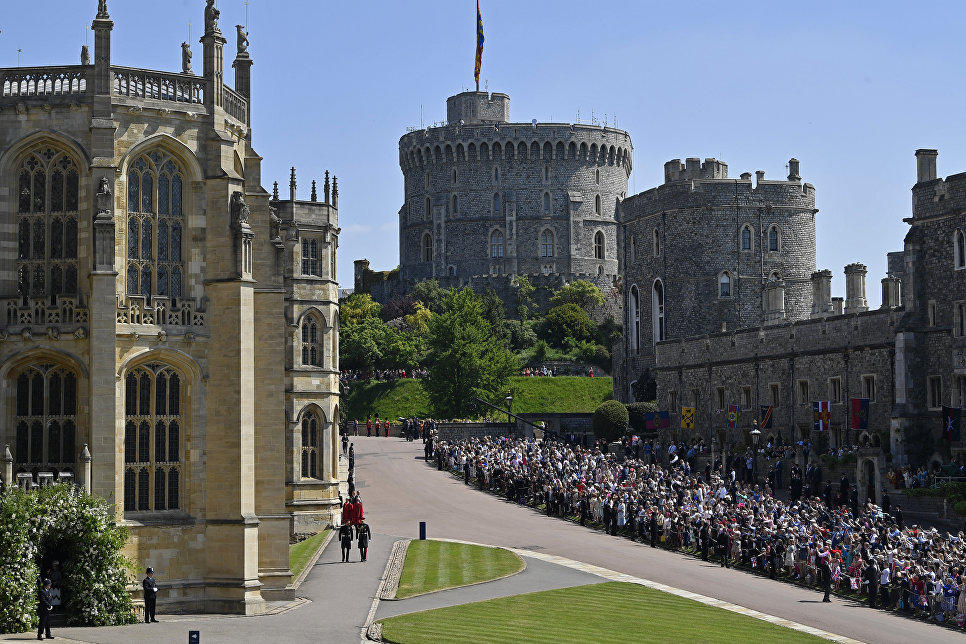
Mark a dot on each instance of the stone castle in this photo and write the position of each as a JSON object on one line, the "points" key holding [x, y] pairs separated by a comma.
{"points": [[169, 330], [487, 199], [715, 277]]}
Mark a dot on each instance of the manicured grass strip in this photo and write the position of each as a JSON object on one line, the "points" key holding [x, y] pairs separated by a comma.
{"points": [[300, 553], [608, 612], [437, 565]]}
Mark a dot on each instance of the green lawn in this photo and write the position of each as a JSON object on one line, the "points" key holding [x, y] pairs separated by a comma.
{"points": [[608, 612], [404, 398], [300, 553], [437, 565]]}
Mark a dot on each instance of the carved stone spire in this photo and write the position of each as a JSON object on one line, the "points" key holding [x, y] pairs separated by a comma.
{"points": [[275, 192], [315, 196], [326, 187], [85, 55], [292, 185], [335, 192]]}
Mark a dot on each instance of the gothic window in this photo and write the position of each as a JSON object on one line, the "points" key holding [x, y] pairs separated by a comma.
{"points": [[153, 426], [597, 177], [311, 262], [724, 285], [47, 205], [546, 202], [599, 245], [959, 249], [427, 249], [429, 209], [635, 320], [496, 244], [156, 225], [427, 181], [546, 173], [496, 204], [454, 176], [597, 205], [456, 203], [746, 238], [774, 239], [312, 350], [657, 311], [311, 445], [546, 243], [496, 174], [46, 417]]}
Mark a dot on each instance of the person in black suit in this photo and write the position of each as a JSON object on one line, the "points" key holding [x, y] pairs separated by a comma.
{"points": [[44, 606], [150, 586]]}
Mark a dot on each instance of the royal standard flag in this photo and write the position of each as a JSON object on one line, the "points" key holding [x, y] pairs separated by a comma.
{"points": [[732, 416], [859, 413], [663, 420], [822, 410], [687, 417], [766, 416], [479, 45]]}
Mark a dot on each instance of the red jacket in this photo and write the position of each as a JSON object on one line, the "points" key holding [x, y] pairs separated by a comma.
{"points": [[348, 512], [357, 513]]}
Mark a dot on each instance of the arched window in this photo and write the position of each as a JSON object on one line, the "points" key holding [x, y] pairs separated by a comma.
{"points": [[546, 243], [454, 176], [635, 311], [657, 311], [311, 445], [496, 174], [312, 347], [657, 242], [599, 245], [724, 285], [774, 276], [429, 209], [746, 238], [46, 417], [156, 222], [427, 180], [597, 177], [47, 225], [597, 205], [959, 249], [427, 250], [546, 202], [153, 427], [774, 239], [546, 173], [496, 244], [496, 204], [456, 204]]}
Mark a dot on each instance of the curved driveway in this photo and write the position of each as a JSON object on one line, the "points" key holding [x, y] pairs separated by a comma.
{"points": [[399, 490]]}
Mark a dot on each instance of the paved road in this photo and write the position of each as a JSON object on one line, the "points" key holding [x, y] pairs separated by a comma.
{"points": [[399, 489]]}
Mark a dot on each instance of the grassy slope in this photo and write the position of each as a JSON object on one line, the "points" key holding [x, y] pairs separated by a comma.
{"points": [[300, 553], [548, 395], [437, 565], [608, 612]]}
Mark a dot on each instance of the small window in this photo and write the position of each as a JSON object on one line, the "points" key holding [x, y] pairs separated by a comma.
{"points": [[720, 397], [803, 392], [427, 250], [546, 173], [959, 321], [546, 243], [959, 249], [868, 388], [672, 399], [496, 174], [724, 285], [961, 389], [775, 395], [931, 313], [746, 397], [597, 205], [427, 181], [456, 204], [657, 243], [429, 208], [934, 393], [774, 239], [496, 244], [633, 248], [597, 177], [695, 397], [452, 271], [835, 390], [454, 176], [496, 204], [599, 245], [746, 238], [546, 202]]}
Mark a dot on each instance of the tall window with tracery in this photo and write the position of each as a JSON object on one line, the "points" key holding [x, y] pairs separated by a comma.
{"points": [[312, 352], [156, 224], [47, 205], [496, 244], [311, 265], [154, 422], [546, 243], [311, 446], [427, 247], [46, 417]]}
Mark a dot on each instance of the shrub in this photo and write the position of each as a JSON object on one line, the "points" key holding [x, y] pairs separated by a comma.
{"points": [[636, 412], [567, 321], [960, 508], [521, 335], [610, 420], [540, 351]]}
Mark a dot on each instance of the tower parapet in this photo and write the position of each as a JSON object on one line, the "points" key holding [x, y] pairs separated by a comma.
{"points": [[472, 108]]}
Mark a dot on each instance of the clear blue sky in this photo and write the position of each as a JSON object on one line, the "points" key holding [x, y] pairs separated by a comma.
{"points": [[850, 89]]}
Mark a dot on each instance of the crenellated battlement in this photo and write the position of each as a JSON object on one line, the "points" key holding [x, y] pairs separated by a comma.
{"points": [[933, 196]]}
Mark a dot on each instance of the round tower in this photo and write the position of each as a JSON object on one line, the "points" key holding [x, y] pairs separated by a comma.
{"points": [[485, 197]]}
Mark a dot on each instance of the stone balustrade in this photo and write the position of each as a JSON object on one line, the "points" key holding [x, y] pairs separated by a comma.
{"points": [[40, 312], [159, 311], [160, 86], [43, 82]]}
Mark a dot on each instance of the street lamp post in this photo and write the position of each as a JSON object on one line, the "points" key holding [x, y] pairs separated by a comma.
{"points": [[755, 438], [509, 408]]}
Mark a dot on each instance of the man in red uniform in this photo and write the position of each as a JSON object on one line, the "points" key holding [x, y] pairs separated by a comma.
{"points": [[357, 513], [348, 512]]}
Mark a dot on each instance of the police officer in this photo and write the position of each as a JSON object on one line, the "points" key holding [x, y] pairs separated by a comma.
{"points": [[44, 606], [150, 586]]}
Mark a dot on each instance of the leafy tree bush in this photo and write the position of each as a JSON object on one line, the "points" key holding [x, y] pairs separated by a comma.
{"points": [[524, 296], [361, 344], [399, 307], [567, 321], [358, 307], [636, 412], [540, 351], [466, 358], [583, 293], [610, 420], [521, 335], [960, 508], [430, 294], [78, 527]]}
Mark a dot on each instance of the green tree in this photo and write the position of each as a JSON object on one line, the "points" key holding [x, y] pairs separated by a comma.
{"points": [[361, 344], [524, 297], [610, 420], [430, 294], [567, 324], [401, 349], [358, 307], [466, 358], [583, 293]]}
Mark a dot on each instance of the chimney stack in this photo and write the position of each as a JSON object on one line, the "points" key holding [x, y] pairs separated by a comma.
{"points": [[926, 165], [821, 293], [793, 170], [855, 301], [891, 292]]}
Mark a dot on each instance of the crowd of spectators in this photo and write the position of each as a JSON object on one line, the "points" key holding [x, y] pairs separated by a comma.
{"points": [[818, 536], [347, 376], [549, 371]]}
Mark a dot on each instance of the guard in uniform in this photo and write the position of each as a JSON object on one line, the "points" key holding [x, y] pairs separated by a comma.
{"points": [[364, 536], [345, 540], [44, 606], [150, 586]]}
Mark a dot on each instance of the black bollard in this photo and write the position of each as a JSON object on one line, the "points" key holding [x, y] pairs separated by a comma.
{"points": [[422, 531]]}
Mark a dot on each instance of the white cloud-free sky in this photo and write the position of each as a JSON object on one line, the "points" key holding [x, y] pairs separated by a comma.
{"points": [[850, 89]]}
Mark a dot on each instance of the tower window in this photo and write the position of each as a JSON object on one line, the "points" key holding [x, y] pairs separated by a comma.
{"points": [[724, 285], [599, 245], [496, 244], [597, 205], [312, 348], [657, 243], [546, 202], [496, 204], [774, 239], [546, 243], [456, 204], [959, 249], [746, 238], [427, 247]]}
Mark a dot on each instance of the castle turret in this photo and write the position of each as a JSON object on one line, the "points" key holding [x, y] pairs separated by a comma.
{"points": [[473, 108]]}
